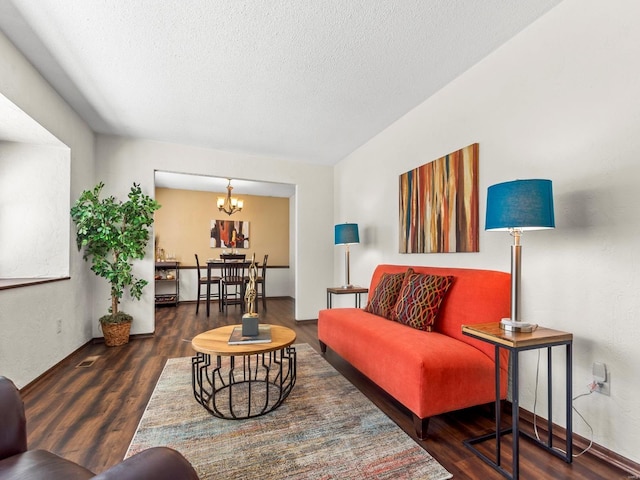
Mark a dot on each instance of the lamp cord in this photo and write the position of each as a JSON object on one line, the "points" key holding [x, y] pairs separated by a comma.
{"points": [[535, 402]]}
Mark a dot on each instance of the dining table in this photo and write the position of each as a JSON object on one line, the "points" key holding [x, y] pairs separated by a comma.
{"points": [[217, 263]]}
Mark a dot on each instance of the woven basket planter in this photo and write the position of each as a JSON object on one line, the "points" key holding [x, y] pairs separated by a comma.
{"points": [[116, 334]]}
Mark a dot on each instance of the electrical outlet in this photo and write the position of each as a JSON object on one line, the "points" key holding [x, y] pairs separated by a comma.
{"points": [[59, 326], [604, 388], [601, 379]]}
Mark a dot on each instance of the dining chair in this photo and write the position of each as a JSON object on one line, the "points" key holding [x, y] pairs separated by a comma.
{"points": [[261, 285], [233, 256], [203, 280], [233, 283]]}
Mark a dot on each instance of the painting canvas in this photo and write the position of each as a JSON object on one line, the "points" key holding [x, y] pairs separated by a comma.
{"points": [[439, 205], [229, 234]]}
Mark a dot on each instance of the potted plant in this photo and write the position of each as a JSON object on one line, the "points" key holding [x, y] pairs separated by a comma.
{"points": [[114, 233]]}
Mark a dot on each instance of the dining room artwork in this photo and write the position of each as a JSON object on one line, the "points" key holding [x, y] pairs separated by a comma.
{"points": [[439, 205], [229, 234]]}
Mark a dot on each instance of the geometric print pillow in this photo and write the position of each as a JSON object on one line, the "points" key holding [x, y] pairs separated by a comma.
{"points": [[385, 295], [419, 300]]}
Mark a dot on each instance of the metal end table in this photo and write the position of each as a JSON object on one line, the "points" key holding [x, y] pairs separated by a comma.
{"points": [[517, 342]]}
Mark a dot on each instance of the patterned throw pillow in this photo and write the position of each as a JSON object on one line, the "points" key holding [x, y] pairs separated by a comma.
{"points": [[419, 300], [385, 295]]}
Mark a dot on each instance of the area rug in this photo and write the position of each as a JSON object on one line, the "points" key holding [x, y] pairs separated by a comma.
{"points": [[326, 429]]}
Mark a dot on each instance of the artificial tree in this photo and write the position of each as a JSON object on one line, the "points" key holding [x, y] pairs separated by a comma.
{"points": [[113, 234]]}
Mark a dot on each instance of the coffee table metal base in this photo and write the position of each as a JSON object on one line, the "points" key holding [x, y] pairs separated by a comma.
{"points": [[243, 386]]}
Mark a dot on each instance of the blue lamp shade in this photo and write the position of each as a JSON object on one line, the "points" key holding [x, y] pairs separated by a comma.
{"points": [[346, 233], [520, 204]]}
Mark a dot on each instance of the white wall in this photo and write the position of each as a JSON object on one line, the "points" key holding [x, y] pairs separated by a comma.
{"points": [[34, 194], [122, 161], [559, 101], [43, 324]]}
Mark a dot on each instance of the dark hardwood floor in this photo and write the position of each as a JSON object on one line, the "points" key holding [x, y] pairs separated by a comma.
{"points": [[89, 414]]}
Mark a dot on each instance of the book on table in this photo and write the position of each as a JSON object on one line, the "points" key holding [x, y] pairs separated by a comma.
{"points": [[264, 336]]}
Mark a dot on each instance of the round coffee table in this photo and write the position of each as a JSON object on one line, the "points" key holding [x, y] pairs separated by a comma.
{"points": [[246, 380]]}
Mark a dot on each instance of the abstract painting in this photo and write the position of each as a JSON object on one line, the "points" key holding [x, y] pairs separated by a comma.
{"points": [[229, 234], [439, 205]]}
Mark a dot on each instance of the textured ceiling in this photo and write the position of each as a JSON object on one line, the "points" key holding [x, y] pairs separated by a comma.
{"points": [[304, 80]]}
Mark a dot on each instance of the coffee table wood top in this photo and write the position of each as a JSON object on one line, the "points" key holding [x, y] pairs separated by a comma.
{"points": [[214, 342]]}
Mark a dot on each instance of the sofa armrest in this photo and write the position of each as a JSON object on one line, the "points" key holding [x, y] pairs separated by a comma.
{"points": [[157, 463], [13, 422]]}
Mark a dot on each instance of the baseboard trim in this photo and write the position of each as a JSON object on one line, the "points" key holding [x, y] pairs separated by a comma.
{"points": [[580, 443], [48, 372], [134, 336]]}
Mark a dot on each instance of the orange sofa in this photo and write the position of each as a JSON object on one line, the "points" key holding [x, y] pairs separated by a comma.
{"points": [[428, 372]]}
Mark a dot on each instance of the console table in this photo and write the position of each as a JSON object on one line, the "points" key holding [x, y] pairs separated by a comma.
{"points": [[517, 342]]}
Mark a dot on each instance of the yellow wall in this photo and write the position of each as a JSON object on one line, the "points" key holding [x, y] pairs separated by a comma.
{"points": [[183, 225]]}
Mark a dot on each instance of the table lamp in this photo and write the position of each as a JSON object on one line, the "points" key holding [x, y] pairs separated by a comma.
{"points": [[515, 207], [346, 234]]}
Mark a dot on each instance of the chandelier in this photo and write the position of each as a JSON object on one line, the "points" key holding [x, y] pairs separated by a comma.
{"points": [[229, 204]]}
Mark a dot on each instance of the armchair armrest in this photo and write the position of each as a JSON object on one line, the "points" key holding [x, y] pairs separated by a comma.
{"points": [[158, 463], [13, 422]]}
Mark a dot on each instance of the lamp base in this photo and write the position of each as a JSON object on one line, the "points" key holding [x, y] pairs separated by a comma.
{"points": [[513, 326], [347, 286]]}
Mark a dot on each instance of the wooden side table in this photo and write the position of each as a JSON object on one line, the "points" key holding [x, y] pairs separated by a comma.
{"points": [[517, 342], [254, 378], [357, 291]]}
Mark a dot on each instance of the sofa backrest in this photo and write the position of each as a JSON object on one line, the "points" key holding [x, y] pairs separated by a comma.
{"points": [[476, 296]]}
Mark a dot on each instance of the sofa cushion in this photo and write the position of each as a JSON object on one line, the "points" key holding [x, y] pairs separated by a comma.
{"points": [[427, 372], [385, 295], [476, 296], [419, 300]]}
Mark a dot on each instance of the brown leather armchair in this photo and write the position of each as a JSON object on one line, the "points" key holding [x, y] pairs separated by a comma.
{"points": [[16, 462]]}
